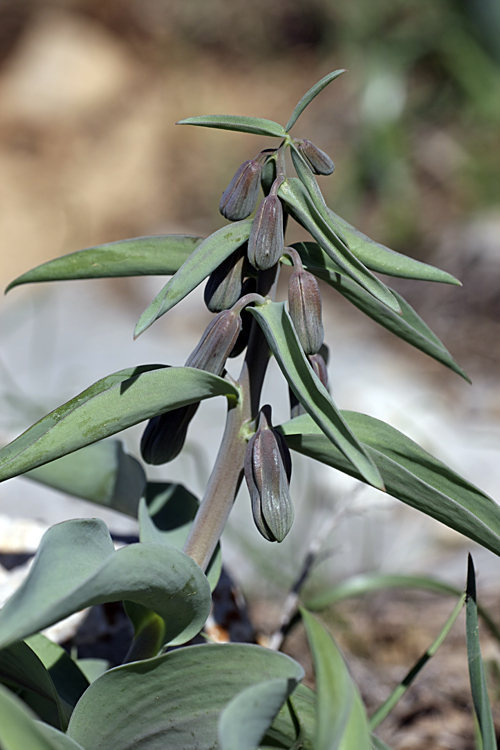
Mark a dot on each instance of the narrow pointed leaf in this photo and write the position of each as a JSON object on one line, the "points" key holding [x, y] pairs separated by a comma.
{"points": [[409, 473], [382, 259], [255, 125], [157, 255], [295, 722], [101, 473], [479, 690], [20, 730], [107, 407], [357, 735], [282, 339], [245, 720], [310, 95], [407, 326], [200, 264], [379, 744], [303, 210], [177, 698], [76, 566]]}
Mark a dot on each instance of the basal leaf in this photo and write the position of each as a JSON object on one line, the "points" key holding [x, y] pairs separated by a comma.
{"points": [[107, 407], [174, 700], [76, 566], [479, 690], [140, 256], [407, 326], [409, 474], [379, 258], [302, 209], [255, 125], [200, 264], [282, 339], [101, 473], [310, 95], [295, 722], [20, 730], [245, 720]]}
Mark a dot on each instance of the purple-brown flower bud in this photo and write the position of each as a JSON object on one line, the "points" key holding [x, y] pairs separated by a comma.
{"points": [[164, 436], [318, 161], [216, 343], [268, 468], [239, 198], [304, 303], [266, 241], [224, 285]]}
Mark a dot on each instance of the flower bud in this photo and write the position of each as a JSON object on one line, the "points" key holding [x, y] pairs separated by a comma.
{"points": [[216, 343], [224, 285], [304, 303], [268, 468], [164, 436], [318, 161], [239, 198], [266, 241]]}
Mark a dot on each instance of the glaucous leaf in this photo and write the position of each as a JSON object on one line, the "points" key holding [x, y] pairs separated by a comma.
{"points": [[301, 207], [255, 125], [157, 255], [76, 566], [174, 700], [245, 720], [407, 326], [409, 474], [284, 344], [310, 95], [295, 722], [20, 730], [200, 264], [479, 690], [107, 407], [101, 473]]}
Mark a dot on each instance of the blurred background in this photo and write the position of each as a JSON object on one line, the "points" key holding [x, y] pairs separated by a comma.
{"points": [[89, 153]]}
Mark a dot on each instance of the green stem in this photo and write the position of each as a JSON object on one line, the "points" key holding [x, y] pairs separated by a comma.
{"points": [[381, 713]]}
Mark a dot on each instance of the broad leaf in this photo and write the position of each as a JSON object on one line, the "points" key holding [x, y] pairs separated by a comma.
{"points": [[200, 264], [301, 207], [255, 125], [296, 721], [101, 473], [282, 339], [409, 474], [20, 730], [479, 690], [310, 95], [76, 566], [68, 679], [157, 255], [407, 326], [245, 720], [107, 407], [174, 700], [379, 258]]}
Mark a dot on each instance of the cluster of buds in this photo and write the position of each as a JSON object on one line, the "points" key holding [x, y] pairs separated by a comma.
{"points": [[268, 469]]}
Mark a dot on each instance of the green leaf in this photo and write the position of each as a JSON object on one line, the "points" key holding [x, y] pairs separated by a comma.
{"points": [[76, 566], [296, 721], [158, 255], [407, 326], [310, 95], [409, 473], [245, 720], [255, 125], [282, 339], [379, 258], [479, 690], [107, 407], [93, 668], [200, 264], [302, 208], [379, 744], [20, 730], [23, 672], [174, 700], [357, 734], [334, 687], [101, 473]]}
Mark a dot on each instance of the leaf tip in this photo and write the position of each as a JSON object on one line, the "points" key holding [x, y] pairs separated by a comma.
{"points": [[471, 579]]}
